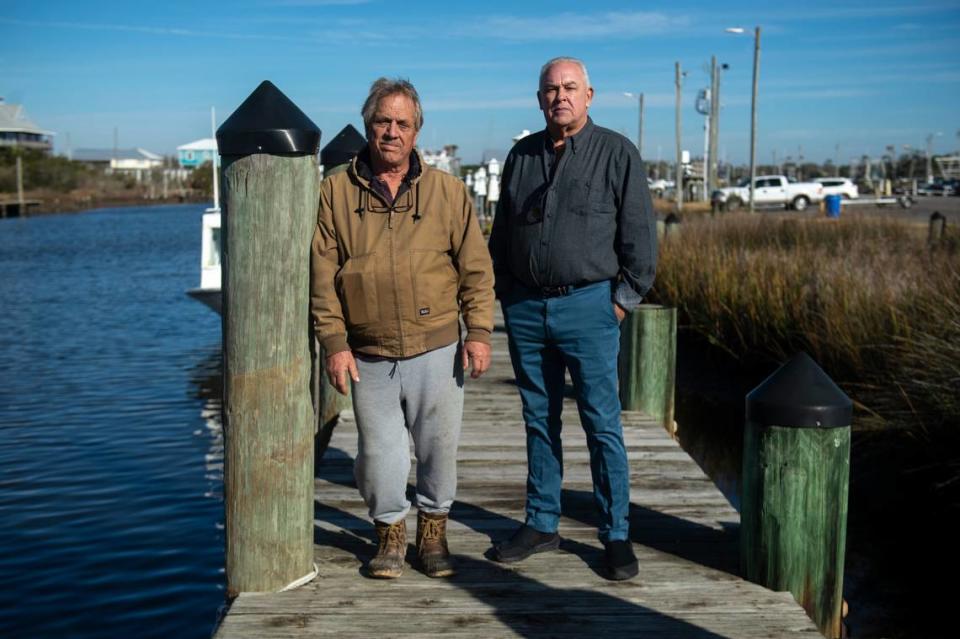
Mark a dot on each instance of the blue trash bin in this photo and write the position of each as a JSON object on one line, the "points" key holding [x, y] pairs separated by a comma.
{"points": [[833, 205]]}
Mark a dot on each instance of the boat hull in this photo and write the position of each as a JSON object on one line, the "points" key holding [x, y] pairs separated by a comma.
{"points": [[212, 297]]}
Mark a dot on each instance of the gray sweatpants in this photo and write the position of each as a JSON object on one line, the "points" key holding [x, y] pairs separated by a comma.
{"points": [[422, 395]]}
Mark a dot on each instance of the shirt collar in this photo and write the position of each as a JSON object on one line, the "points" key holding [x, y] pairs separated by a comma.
{"points": [[574, 141]]}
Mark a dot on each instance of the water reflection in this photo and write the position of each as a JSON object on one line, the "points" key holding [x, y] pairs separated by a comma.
{"points": [[206, 379]]}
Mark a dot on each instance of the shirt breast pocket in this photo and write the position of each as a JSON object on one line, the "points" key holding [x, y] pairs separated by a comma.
{"points": [[598, 213], [599, 199]]}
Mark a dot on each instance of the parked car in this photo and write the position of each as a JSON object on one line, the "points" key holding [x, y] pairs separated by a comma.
{"points": [[659, 187], [839, 186], [938, 187], [769, 189]]}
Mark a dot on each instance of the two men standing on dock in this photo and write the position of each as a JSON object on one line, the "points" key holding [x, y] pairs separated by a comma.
{"points": [[574, 248], [398, 256]]}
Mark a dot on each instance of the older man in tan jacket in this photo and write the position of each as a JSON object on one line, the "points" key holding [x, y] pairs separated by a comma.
{"points": [[398, 257]]}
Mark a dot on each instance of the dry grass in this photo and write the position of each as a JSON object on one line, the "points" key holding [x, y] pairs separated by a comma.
{"points": [[868, 299]]}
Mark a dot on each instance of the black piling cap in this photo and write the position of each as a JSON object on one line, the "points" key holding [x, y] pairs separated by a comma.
{"points": [[799, 395], [342, 147], [268, 122]]}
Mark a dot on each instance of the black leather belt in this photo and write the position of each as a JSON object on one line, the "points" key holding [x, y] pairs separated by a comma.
{"points": [[556, 291]]}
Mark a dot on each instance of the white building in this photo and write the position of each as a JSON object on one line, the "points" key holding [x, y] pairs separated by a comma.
{"points": [[443, 160], [19, 131], [135, 162], [196, 153]]}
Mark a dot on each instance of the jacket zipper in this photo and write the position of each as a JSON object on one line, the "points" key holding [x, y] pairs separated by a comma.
{"points": [[396, 288]]}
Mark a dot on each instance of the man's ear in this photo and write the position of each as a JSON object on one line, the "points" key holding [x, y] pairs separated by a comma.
{"points": [[589, 95], [539, 100]]}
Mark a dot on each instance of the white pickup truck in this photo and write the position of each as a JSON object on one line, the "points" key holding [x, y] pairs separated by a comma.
{"points": [[769, 190]]}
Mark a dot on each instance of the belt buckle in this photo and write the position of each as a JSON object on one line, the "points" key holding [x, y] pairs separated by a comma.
{"points": [[554, 291]]}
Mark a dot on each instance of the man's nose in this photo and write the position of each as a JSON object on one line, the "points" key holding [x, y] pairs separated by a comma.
{"points": [[393, 130]]}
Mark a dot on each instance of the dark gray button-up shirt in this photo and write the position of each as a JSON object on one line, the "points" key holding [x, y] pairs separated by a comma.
{"points": [[585, 217]]}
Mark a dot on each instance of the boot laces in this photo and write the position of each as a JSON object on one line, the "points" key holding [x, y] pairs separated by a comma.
{"points": [[392, 537], [433, 529]]}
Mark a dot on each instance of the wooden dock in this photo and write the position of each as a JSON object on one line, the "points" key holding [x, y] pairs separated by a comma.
{"points": [[684, 531], [18, 208]]}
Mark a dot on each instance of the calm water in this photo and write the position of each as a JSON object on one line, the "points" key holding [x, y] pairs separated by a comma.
{"points": [[111, 508]]}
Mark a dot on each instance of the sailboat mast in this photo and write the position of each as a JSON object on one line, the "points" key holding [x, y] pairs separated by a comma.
{"points": [[216, 158]]}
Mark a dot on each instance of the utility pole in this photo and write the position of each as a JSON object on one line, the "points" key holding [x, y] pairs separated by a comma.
{"points": [[714, 122], [640, 129], [753, 115], [679, 182], [930, 158]]}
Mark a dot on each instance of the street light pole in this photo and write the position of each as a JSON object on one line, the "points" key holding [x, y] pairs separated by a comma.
{"points": [[640, 128], [639, 122], [753, 115], [678, 188]]}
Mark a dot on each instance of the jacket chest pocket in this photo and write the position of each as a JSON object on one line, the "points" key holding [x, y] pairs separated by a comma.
{"points": [[434, 284], [356, 285]]}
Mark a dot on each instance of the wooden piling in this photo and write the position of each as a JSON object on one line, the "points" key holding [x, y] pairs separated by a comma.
{"points": [[938, 224], [796, 467], [270, 194], [22, 209], [329, 403], [648, 355]]}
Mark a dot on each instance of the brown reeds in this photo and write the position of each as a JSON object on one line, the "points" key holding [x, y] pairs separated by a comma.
{"points": [[868, 299]]}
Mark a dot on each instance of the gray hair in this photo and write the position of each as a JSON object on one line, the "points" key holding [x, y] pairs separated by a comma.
{"points": [[385, 87], [576, 61]]}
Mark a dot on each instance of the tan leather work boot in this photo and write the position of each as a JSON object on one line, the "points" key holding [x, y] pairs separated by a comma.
{"points": [[432, 544], [388, 564]]}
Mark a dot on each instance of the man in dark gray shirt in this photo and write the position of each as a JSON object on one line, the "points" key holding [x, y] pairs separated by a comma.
{"points": [[574, 248]]}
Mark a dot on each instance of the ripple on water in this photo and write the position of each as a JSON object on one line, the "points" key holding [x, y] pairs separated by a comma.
{"points": [[110, 444]]}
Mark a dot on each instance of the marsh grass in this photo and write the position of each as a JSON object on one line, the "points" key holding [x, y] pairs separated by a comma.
{"points": [[868, 299]]}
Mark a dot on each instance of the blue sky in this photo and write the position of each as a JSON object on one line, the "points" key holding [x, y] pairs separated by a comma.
{"points": [[861, 75]]}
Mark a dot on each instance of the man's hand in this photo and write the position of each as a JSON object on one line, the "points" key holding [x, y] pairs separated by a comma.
{"points": [[619, 312], [477, 354], [339, 365]]}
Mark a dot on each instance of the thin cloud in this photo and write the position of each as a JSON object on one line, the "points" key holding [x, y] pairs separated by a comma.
{"points": [[317, 3], [467, 104], [618, 24], [167, 31]]}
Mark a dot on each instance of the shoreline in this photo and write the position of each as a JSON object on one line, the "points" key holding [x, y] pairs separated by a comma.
{"points": [[67, 203]]}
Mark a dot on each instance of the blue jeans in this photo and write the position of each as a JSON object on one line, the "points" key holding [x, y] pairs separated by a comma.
{"points": [[578, 331]]}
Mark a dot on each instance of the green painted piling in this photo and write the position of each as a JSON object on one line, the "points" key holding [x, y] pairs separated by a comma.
{"points": [[648, 356], [796, 467], [329, 404], [270, 194], [938, 224]]}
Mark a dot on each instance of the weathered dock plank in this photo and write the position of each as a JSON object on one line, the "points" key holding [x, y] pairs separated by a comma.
{"points": [[684, 531]]}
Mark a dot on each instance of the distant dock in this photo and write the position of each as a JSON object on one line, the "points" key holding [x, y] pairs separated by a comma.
{"points": [[18, 208], [685, 534]]}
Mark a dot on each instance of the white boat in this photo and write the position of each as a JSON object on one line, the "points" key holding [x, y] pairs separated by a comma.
{"points": [[209, 290]]}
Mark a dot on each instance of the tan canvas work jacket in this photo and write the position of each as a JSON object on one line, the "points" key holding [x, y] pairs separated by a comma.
{"points": [[392, 280]]}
